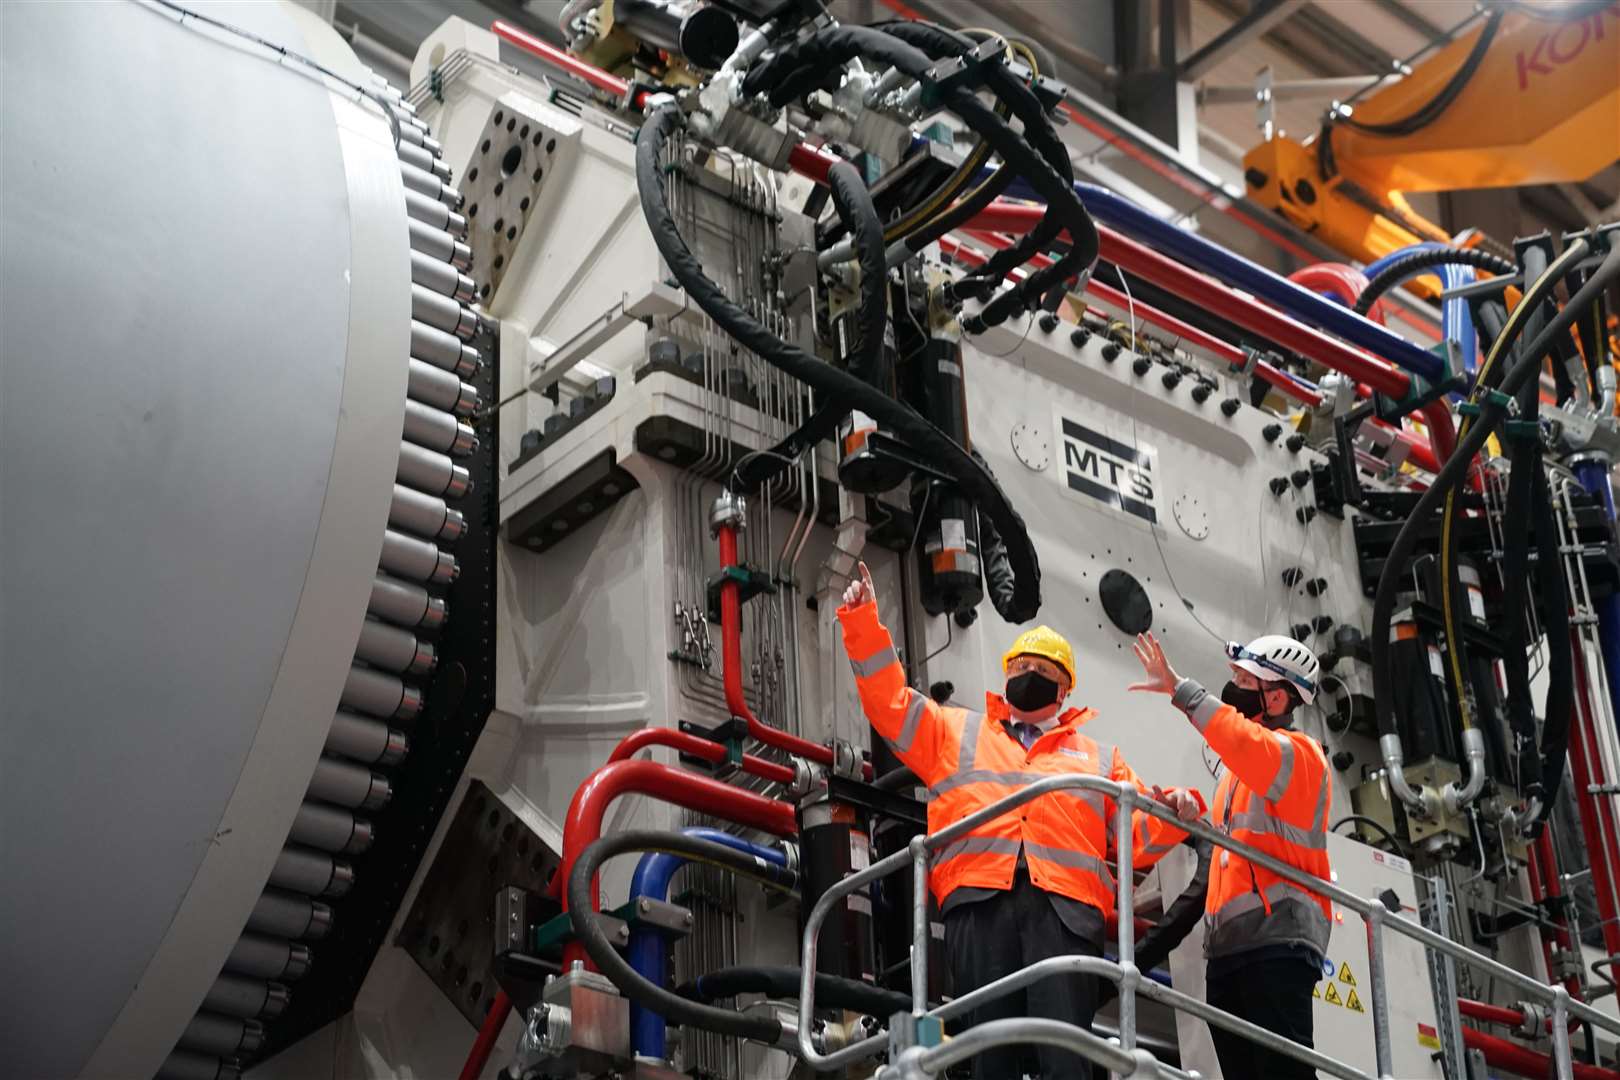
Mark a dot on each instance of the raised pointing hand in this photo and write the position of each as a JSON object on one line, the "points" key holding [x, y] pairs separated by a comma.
{"points": [[1161, 677], [860, 588]]}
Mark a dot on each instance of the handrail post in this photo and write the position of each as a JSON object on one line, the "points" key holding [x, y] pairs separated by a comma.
{"points": [[1560, 1034], [919, 925], [1374, 918], [1125, 886]]}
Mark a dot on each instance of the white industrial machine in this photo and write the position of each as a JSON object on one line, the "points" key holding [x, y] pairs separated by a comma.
{"points": [[397, 478]]}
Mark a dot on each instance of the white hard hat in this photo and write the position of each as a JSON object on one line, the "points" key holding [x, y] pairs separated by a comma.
{"points": [[1273, 657]]}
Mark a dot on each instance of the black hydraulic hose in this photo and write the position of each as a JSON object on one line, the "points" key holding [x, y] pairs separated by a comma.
{"points": [[780, 981], [1185, 912], [999, 578], [1407, 265], [1560, 704], [937, 42], [632, 983], [896, 778], [853, 203], [1453, 471], [836, 46], [971, 478], [1524, 463]]}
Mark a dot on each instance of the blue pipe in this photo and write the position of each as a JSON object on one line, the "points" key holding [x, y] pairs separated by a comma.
{"points": [[1301, 303], [1458, 320], [1593, 473], [648, 952]]}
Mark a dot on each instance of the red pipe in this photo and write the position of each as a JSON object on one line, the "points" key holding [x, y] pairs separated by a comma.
{"points": [[1524, 1061], [589, 807], [1597, 818], [1490, 1014], [1419, 452], [567, 62], [731, 662], [697, 746], [1342, 282], [1544, 883], [1242, 310], [488, 1032]]}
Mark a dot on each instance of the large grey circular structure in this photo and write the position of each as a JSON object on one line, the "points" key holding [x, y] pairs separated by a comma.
{"points": [[205, 357]]}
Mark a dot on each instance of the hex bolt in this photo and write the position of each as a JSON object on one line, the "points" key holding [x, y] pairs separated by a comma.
{"points": [[1110, 351], [1049, 322], [1230, 406], [1079, 337], [1305, 514], [1316, 586], [1170, 379], [1322, 623], [1141, 365], [1292, 576], [1295, 443], [1278, 484], [1270, 432], [1300, 477], [1201, 392]]}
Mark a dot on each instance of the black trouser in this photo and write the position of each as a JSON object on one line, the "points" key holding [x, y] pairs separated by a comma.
{"points": [[1275, 994], [995, 937]]}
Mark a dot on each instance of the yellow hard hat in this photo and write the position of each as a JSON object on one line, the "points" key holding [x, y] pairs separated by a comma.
{"points": [[1045, 642]]}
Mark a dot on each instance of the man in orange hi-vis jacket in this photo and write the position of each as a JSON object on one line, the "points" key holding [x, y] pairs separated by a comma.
{"points": [[1037, 881], [1265, 936]]}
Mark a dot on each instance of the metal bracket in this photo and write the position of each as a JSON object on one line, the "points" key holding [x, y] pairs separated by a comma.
{"points": [[550, 936], [655, 300]]}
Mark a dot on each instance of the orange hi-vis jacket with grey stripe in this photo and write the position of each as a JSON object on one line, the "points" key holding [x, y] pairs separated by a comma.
{"points": [[1273, 796], [969, 760]]}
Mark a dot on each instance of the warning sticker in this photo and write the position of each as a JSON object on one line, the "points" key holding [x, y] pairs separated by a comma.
{"points": [[1316, 991], [1428, 1037], [1353, 1003], [1345, 975], [1331, 994]]}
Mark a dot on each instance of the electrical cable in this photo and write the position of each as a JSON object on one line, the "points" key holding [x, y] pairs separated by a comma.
{"points": [[1419, 118], [1524, 316], [1452, 472], [1363, 819], [976, 484], [1408, 265], [588, 929]]}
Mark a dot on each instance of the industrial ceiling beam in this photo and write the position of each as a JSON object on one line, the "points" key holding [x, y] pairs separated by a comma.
{"points": [[1259, 20]]}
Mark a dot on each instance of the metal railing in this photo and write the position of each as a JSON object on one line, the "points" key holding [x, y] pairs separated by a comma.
{"points": [[1125, 1059]]}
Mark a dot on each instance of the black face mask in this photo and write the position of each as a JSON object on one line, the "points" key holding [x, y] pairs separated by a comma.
{"points": [[1250, 703], [1031, 691]]}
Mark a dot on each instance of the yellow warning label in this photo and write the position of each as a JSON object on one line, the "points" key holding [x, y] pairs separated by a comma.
{"points": [[1353, 1003], [1344, 974], [1316, 991], [1331, 994]]}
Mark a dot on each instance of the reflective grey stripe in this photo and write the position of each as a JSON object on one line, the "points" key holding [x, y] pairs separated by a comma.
{"points": [[1319, 821], [976, 845], [1142, 828], [865, 669], [1260, 821], [915, 707], [1296, 918], [1204, 710], [1159, 849], [1075, 860], [1285, 769], [970, 742], [1276, 893], [984, 776]]}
